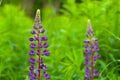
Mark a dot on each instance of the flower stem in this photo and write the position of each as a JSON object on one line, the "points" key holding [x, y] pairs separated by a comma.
{"points": [[38, 56], [92, 62], [92, 66]]}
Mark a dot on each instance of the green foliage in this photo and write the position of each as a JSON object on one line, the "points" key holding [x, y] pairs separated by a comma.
{"points": [[66, 32], [14, 30]]}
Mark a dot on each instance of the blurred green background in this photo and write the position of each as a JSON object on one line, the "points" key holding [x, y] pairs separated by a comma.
{"points": [[65, 22]]}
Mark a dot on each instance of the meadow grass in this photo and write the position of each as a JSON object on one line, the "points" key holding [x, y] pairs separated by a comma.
{"points": [[66, 33]]}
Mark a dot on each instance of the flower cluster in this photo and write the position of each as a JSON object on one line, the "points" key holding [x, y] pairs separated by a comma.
{"points": [[91, 48], [38, 45]]}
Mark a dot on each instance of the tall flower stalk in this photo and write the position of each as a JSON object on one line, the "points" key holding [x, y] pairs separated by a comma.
{"points": [[38, 45], [91, 54]]}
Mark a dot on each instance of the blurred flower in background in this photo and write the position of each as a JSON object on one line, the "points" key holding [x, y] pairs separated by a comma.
{"points": [[91, 48]]}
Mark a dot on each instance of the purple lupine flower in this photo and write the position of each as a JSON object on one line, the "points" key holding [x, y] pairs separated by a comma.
{"points": [[32, 45], [36, 65], [32, 60], [42, 30], [31, 67], [45, 45], [31, 39], [40, 26], [44, 38], [33, 32], [36, 37], [32, 53], [30, 73], [90, 52], [46, 52], [47, 76]]}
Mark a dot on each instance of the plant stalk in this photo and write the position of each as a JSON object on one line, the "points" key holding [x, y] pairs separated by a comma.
{"points": [[38, 56]]}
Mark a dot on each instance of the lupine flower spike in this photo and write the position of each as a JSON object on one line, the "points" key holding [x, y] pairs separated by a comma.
{"points": [[91, 54], [38, 45]]}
